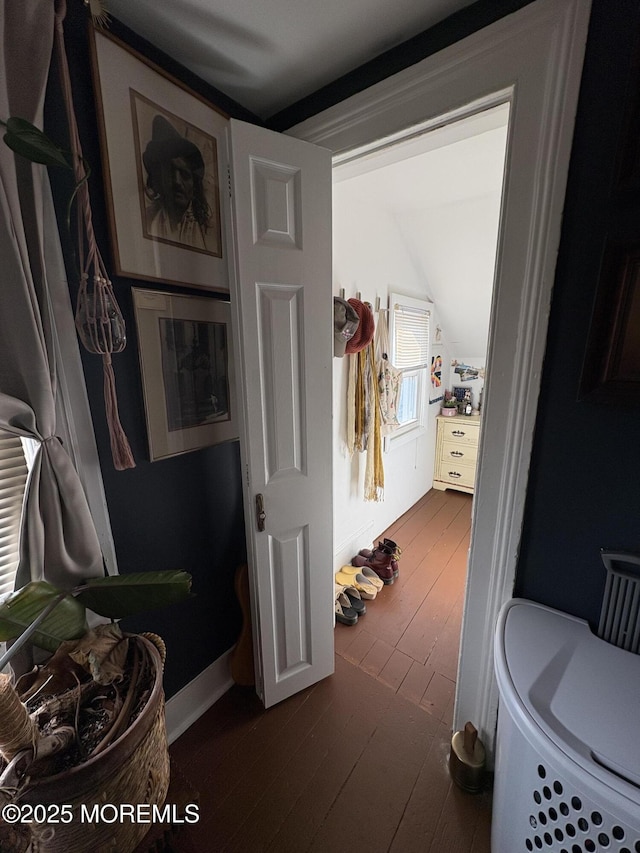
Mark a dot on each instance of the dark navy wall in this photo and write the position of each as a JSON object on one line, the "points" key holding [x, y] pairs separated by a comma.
{"points": [[584, 488], [184, 512]]}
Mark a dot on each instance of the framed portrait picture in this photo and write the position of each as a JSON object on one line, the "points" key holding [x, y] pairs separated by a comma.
{"points": [[186, 362], [611, 369], [163, 151]]}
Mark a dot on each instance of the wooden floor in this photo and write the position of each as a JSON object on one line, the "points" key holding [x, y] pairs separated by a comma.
{"points": [[359, 761]]}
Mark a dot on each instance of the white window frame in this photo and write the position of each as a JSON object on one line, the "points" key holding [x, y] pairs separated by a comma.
{"points": [[415, 428]]}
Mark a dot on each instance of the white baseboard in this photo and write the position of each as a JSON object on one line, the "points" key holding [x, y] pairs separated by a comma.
{"points": [[196, 697], [360, 538]]}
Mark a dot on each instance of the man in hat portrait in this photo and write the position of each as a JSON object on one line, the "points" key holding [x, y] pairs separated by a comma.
{"points": [[177, 209]]}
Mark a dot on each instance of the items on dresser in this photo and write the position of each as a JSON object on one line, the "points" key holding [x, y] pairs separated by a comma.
{"points": [[457, 442]]}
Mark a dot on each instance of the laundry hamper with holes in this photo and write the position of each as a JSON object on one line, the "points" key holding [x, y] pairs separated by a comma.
{"points": [[567, 772]]}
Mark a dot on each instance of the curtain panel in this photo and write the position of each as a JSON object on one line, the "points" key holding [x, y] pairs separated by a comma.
{"points": [[58, 542]]}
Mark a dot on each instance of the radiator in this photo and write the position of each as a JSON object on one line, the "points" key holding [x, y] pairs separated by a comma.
{"points": [[620, 613]]}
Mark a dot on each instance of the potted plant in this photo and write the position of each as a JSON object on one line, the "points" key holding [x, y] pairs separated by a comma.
{"points": [[85, 730], [449, 406]]}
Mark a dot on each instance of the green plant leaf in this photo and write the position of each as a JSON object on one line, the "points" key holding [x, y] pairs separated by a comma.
{"points": [[66, 622], [118, 596], [25, 139]]}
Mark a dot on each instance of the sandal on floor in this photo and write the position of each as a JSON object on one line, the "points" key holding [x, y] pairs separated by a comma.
{"points": [[369, 575], [372, 577], [356, 600], [353, 577], [344, 612]]}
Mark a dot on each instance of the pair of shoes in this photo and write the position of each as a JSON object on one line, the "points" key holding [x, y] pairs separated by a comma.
{"points": [[379, 560], [350, 576], [355, 601], [345, 613], [380, 557], [354, 597]]}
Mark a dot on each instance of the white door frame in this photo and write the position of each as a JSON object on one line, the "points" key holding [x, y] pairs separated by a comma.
{"points": [[533, 58]]}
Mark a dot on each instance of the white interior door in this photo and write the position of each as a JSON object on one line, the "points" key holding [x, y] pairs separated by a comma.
{"points": [[283, 310]]}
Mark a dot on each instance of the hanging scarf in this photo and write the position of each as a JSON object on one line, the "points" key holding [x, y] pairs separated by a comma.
{"points": [[374, 470], [351, 405], [363, 419]]}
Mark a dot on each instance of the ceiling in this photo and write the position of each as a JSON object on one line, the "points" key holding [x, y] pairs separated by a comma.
{"points": [[268, 54], [442, 190]]}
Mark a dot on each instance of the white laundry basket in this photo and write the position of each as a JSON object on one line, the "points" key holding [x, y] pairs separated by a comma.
{"points": [[567, 771]]}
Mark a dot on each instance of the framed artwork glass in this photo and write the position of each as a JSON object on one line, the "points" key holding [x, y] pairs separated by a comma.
{"points": [[163, 151], [187, 368]]}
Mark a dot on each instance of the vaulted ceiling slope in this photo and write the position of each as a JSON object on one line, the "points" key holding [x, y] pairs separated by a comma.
{"points": [[269, 54]]}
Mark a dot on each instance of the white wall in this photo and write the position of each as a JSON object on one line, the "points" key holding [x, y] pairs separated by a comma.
{"points": [[454, 245], [370, 257]]}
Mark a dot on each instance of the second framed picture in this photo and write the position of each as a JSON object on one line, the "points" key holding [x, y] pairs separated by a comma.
{"points": [[163, 151], [186, 361]]}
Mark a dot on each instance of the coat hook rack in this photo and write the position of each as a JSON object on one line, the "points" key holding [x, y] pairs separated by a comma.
{"points": [[377, 303], [342, 293], [359, 295]]}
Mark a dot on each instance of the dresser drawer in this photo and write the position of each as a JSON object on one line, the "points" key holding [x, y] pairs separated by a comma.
{"points": [[460, 475], [459, 452], [466, 433]]}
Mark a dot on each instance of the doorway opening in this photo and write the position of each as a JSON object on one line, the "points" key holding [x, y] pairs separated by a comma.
{"points": [[419, 215]]}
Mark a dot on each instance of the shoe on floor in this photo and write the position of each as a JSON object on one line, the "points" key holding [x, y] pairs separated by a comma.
{"points": [[344, 611], [349, 576], [356, 600], [380, 565]]}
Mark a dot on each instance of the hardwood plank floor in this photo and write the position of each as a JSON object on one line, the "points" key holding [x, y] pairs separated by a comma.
{"points": [[410, 636], [358, 762]]}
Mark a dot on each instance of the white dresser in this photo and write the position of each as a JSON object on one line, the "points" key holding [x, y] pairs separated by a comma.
{"points": [[457, 442]]}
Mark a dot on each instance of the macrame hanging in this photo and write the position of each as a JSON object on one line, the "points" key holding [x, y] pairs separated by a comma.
{"points": [[98, 318]]}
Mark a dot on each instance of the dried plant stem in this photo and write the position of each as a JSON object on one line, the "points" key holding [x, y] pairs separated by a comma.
{"points": [[17, 729]]}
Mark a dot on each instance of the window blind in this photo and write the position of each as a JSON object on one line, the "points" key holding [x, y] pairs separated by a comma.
{"points": [[13, 478], [411, 336]]}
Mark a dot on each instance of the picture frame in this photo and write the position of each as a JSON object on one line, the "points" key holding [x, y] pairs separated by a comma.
{"points": [[611, 369], [187, 367], [163, 151]]}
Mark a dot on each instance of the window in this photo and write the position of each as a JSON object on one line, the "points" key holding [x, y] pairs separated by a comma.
{"points": [[13, 478], [409, 332]]}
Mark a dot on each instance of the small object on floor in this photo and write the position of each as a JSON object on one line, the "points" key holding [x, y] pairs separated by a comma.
{"points": [[344, 611], [467, 760]]}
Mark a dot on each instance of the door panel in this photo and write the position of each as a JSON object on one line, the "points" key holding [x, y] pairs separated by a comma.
{"points": [[283, 308]]}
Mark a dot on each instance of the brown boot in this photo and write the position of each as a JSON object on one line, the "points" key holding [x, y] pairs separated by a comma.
{"points": [[379, 560], [385, 545]]}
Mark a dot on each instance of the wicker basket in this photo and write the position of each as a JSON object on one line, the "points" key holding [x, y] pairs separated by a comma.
{"points": [[133, 769]]}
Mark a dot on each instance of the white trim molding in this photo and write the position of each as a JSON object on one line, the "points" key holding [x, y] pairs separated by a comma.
{"points": [[531, 59], [196, 697]]}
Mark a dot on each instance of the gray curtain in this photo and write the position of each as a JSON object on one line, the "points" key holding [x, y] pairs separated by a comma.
{"points": [[58, 541]]}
